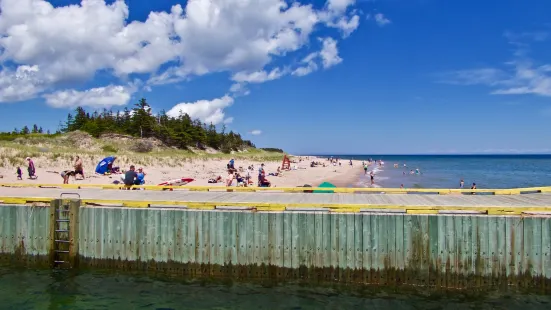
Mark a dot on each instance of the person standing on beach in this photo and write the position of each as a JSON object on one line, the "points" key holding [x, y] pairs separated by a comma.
{"points": [[261, 173], [78, 167], [365, 168], [31, 169], [372, 175], [461, 184]]}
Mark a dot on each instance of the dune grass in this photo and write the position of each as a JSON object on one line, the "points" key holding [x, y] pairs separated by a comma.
{"points": [[62, 149]]}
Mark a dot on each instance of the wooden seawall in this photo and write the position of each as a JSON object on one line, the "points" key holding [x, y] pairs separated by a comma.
{"points": [[393, 249]]}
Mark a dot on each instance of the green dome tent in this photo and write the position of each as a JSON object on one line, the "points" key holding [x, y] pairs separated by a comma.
{"points": [[325, 185]]}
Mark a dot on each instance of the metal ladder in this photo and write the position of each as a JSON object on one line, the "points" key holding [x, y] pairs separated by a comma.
{"points": [[62, 234]]}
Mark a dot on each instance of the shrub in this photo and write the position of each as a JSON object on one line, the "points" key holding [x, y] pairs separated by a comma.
{"points": [[109, 149], [142, 146]]}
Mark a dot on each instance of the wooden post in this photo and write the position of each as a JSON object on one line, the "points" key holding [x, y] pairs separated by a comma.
{"points": [[54, 205], [74, 209]]}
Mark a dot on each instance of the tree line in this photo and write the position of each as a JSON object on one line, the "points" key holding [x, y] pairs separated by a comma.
{"points": [[181, 132]]}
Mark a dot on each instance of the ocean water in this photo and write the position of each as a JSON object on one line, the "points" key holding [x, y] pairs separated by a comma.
{"points": [[46, 289], [446, 171]]}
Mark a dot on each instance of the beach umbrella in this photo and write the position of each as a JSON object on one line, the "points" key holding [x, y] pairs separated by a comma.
{"points": [[102, 165], [325, 185]]}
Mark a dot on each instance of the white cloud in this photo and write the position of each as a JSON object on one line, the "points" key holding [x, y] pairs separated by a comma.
{"points": [[228, 120], [339, 5], [329, 53], [96, 97], [43, 47], [258, 76], [208, 111], [380, 19], [520, 77], [74, 42], [22, 84], [329, 57], [309, 65], [347, 25], [256, 132]]}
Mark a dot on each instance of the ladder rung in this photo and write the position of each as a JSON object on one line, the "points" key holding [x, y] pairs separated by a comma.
{"points": [[61, 251], [61, 230], [63, 241], [62, 220]]}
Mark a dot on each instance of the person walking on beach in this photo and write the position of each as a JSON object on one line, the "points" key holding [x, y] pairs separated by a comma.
{"points": [[31, 169], [365, 168], [372, 175], [461, 184], [473, 187], [78, 167]]}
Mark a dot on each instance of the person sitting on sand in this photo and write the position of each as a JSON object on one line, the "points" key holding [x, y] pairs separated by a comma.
{"points": [[473, 187], [78, 167], [66, 174], [19, 173], [240, 180], [112, 169], [130, 177], [217, 180], [140, 177], [263, 182]]}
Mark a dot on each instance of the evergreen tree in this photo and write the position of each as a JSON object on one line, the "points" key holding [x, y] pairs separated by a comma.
{"points": [[25, 130], [35, 128], [180, 131]]}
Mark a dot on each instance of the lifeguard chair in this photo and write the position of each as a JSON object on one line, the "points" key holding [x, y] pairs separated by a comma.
{"points": [[286, 165]]}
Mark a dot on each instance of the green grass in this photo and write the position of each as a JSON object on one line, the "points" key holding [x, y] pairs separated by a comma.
{"points": [[62, 150], [109, 149]]}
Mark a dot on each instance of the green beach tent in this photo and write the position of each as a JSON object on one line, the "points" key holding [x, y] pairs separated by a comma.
{"points": [[325, 185]]}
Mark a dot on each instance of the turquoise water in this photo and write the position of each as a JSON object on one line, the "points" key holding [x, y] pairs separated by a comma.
{"points": [[44, 289], [445, 171]]}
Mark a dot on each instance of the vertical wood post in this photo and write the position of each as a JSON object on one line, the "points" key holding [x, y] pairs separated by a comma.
{"points": [[54, 205], [74, 210]]}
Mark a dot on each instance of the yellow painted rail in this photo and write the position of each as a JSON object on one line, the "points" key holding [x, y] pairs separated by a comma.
{"points": [[439, 191], [305, 207]]}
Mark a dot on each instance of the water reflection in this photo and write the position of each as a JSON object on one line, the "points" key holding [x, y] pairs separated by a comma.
{"points": [[43, 289]]}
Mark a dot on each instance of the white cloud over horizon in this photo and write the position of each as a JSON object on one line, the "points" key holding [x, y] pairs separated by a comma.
{"points": [[208, 111], [44, 46], [256, 132], [101, 97], [520, 76]]}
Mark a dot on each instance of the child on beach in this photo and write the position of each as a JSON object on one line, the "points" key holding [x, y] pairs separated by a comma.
{"points": [[19, 173]]}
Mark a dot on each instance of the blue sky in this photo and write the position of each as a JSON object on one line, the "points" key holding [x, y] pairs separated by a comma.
{"points": [[342, 76]]}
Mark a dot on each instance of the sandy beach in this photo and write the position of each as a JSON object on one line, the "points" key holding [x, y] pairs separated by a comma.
{"points": [[201, 170]]}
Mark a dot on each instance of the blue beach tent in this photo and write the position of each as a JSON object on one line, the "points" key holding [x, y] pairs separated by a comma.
{"points": [[102, 166]]}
